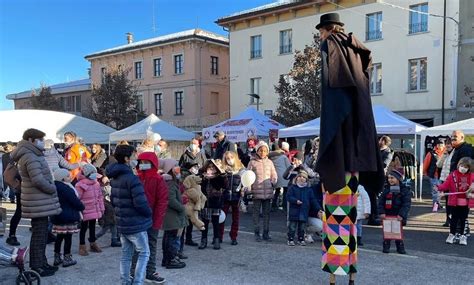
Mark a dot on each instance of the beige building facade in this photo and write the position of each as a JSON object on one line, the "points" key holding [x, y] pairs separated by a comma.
{"points": [[406, 45], [183, 78]]}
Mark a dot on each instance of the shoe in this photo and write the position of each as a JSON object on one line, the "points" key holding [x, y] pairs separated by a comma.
{"points": [[400, 247], [51, 267], [95, 247], [359, 241], [155, 278], [446, 224], [116, 243], [217, 243], [450, 239], [203, 244], [13, 241], [234, 242], [21, 255], [386, 246], [12, 201], [463, 240], [290, 243], [175, 264], [57, 259], [373, 223], [302, 243], [309, 239], [181, 255], [68, 261], [351, 282], [457, 237], [44, 272], [83, 250], [258, 238], [191, 243], [467, 231], [51, 238], [220, 240], [267, 237]]}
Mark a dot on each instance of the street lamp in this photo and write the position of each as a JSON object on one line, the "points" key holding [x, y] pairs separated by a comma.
{"points": [[256, 96]]}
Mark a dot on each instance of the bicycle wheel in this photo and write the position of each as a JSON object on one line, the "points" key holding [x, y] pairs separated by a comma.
{"points": [[28, 277]]}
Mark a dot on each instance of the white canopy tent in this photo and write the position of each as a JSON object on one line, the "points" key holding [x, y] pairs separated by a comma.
{"points": [[151, 124], [248, 123], [467, 126], [54, 124]]}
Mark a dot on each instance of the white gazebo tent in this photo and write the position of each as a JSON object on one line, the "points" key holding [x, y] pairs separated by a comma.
{"points": [[248, 123], [151, 124], [54, 124], [467, 126]]}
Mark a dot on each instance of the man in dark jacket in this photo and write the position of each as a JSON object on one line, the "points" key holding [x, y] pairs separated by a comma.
{"points": [[461, 149], [132, 213], [223, 145]]}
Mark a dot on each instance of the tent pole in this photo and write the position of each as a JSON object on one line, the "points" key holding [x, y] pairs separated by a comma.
{"points": [[109, 147], [422, 150], [416, 180]]}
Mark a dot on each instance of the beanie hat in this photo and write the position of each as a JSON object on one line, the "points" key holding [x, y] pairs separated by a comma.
{"points": [[48, 144], [260, 144], [299, 155], [303, 174], [88, 169], [60, 174], [396, 174], [285, 146], [33, 134]]}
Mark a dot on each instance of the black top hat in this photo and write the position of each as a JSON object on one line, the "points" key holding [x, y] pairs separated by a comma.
{"points": [[330, 18]]}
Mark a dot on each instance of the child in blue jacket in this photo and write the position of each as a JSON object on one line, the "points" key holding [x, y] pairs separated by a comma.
{"points": [[300, 198]]}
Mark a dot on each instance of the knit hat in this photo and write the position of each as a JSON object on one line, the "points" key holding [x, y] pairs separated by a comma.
{"points": [[285, 146], [88, 169], [167, 164], [48, 144], [33, 134], [396, 174], [303, 174], [60, 174], [260, 144], [299, 155]]}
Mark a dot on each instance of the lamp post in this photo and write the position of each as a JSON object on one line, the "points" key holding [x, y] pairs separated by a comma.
{"points": [[256, 96]]}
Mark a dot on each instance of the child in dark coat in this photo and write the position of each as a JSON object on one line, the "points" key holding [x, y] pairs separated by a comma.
{"points": [[67, 222], [300, 198], [395, 201]]}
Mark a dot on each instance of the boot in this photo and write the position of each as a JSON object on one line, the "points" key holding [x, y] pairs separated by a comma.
{"points": [[57, 259], [258, 238], [95, 247], [68, 261], [400, 247], [386, 246], [203, 244], [116, 243], [217, 243], [83, 250], [267, 237], [359, 241]]}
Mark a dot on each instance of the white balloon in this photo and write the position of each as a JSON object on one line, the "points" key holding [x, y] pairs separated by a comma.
{"points": [[248, 178], [221, 217]]}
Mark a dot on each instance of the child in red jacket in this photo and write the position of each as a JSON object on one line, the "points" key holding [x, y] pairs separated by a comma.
{"points": [[156, 192], [460, 180]]}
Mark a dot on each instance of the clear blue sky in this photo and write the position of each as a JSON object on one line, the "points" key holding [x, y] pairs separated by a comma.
{"points": [[46, 41]]}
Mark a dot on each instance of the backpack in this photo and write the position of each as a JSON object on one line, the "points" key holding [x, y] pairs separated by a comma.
{"points": [[10, 176]]}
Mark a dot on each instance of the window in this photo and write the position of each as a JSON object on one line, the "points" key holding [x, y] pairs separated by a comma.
{"points": [[418, 74], [158, 104], [285, 42], [268, 113], [157, 67], [78, 104], [256, 46], [254, 89], [178, 64], [140, 102], [418, 18], [120, 68], [214, 65], [374, 26], [375, 73], [178, 98], [138, 70], [71, 104], [103, 71], [214, 103]]}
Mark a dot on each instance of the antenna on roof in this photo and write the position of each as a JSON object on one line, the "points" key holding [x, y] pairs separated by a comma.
{"points": [[153, 28]]}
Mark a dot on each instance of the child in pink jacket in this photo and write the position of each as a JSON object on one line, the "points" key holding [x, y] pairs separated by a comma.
{"points": [[90, 194], [460, 180]]}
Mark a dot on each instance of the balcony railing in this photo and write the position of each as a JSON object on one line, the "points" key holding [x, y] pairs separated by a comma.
{"points": [[373, 35], [256, 53], [285, 49], [418, 27]]}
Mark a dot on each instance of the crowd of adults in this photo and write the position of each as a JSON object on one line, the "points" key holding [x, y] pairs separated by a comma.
{"points": [[142, 190]]}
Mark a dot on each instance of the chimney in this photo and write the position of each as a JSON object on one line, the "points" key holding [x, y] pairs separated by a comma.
{"points": [[129, 38]]}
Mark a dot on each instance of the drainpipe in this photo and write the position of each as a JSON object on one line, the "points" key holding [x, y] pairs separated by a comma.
{"points": [[444, 63]]}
